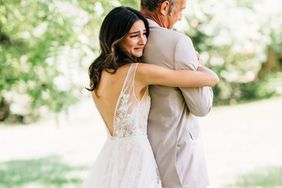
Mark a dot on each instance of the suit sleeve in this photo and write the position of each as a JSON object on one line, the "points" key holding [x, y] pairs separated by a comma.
{"points": [[198, 100]]}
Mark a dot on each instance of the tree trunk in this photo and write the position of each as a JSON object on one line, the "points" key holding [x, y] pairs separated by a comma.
{"points": [[4, 109], [270, 64]]}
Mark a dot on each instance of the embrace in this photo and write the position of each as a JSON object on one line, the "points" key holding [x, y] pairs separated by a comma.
{"points": [[149, 84]]}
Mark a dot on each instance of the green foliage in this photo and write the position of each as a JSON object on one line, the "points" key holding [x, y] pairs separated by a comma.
{"points": [[46, 47], [31, 35], [34, 35], [235, 46]]}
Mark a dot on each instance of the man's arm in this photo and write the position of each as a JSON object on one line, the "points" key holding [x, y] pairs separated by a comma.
{"points": [[198, 100]]}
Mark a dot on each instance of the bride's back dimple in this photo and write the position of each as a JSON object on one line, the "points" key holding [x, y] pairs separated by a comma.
{"points": [[118, 105]]}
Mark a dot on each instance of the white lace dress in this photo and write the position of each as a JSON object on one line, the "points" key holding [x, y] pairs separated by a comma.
{"points": [[126, 160]]}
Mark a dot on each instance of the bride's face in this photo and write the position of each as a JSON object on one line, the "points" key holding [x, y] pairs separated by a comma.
{"points": [[134, 41]]}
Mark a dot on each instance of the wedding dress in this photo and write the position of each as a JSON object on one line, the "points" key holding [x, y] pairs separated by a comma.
{"points": [[126, 159]]}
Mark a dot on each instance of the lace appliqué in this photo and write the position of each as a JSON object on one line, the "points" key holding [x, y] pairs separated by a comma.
{"points": [[124, 122], [126, 159]]}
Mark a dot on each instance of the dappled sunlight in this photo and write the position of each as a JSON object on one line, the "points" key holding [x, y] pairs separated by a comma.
{"points": [[51, 131], [237, 139]]}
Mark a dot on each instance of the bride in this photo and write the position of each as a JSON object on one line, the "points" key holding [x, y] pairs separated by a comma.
{"points": [[119, 85]]}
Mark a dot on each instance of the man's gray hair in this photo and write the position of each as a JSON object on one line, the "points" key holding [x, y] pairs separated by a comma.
{"points": [[152, 5]]}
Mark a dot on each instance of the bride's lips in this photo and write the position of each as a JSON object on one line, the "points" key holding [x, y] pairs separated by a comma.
{"points": [[139, 48]]}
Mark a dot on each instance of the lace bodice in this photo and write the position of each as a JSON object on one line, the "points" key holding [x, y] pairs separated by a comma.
{"points": [[131, 114]]}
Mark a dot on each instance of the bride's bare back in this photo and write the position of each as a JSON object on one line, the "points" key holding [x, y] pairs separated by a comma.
{"points": [[107, 93]]}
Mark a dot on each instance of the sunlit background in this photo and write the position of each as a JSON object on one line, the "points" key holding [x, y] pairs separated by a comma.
{"points": [[51, 132]]}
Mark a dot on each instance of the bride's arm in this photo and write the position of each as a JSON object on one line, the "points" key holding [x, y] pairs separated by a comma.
{"points": [[150, 74]]}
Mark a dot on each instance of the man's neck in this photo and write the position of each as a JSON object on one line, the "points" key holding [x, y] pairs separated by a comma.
{"points": [[153, 16]]}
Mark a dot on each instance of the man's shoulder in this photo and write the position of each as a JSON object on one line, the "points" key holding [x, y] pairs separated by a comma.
{"points": [[167, 34]]}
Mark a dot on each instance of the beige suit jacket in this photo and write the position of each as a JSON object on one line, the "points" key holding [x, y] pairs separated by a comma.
{"points": [[173, 129]]}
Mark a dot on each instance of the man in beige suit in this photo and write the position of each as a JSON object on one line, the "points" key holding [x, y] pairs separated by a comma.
{"points": [[173, 128]]}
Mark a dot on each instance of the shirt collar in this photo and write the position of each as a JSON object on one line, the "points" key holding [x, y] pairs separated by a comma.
{"points": [[152, 23]]}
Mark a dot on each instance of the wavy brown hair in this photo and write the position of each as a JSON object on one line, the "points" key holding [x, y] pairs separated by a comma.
{"points": [[115, 26]]}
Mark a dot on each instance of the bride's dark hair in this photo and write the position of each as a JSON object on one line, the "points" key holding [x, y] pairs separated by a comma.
{"points": [[114, 27]]}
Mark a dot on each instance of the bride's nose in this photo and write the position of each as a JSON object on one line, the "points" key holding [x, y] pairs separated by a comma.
{"points": [[142, 39]]}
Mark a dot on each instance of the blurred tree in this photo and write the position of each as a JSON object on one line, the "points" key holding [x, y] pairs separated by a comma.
{"points": [[240, 40], [42, 45], [46, 47], [31, 34]]}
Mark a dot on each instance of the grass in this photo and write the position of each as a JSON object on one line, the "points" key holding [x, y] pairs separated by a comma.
{"points": [[270, 177], [49, 172], [258, 118]]}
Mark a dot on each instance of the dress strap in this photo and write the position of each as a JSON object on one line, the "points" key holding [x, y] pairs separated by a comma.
{"points": [[124, 103], [129, 82]]}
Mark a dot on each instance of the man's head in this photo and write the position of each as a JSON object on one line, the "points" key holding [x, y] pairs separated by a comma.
{"points": [[165, 12]]}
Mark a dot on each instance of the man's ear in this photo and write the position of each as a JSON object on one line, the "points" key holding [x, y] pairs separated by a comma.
{"points": [[164, 8]]}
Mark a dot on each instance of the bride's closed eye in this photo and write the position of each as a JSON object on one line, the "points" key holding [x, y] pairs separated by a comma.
{"points": [[133, 36], [136, 34]]}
